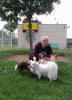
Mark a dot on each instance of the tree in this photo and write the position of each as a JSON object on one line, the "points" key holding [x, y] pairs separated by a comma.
{"points": [[15, 9], [11, 26]]}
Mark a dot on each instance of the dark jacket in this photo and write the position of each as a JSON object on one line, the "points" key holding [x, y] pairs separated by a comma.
{"points": [[38, 49]]}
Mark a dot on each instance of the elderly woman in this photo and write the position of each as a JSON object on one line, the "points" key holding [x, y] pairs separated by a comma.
{"points": [[42, 46]]}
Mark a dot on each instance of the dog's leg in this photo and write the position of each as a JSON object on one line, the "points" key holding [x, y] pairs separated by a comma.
{"points": [[49, 77], [55, 77], [39, 76]]}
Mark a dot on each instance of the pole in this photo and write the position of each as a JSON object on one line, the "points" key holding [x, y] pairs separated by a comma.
{"points": [[2, 39]]}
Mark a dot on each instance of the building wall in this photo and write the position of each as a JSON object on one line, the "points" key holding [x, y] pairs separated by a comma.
{"points": [[57, 34]]}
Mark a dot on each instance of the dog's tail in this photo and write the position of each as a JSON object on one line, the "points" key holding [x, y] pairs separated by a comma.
{"points": [[16, 67]]}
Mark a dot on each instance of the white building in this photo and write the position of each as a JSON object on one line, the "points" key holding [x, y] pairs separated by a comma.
{"points": [[57, 34]]}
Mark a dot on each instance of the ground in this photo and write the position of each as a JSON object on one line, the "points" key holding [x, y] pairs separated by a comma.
{"points": [[25, 57]]}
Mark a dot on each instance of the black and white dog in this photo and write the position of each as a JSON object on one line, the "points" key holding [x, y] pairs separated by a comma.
{"points": [[22, 66]]}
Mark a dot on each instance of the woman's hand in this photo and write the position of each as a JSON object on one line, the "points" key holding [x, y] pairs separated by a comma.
{"points": [[34, 58]]}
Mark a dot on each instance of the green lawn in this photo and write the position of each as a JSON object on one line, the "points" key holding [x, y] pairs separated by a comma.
{"points": [[6, 53], [14, 86], [67, 53]]}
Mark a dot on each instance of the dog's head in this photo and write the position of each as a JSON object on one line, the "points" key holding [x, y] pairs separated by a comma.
{"points": [[31, 62], [42, 55], [34, 66]]}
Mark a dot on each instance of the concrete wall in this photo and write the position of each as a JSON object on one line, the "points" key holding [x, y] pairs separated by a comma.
{"points": [[57, 34]]}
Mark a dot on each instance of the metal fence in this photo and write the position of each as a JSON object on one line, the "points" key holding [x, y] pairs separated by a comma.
{"points": [[6, 40]]}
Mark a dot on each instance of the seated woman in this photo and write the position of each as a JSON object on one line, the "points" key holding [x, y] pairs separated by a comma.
{"points": [[42, 46]]}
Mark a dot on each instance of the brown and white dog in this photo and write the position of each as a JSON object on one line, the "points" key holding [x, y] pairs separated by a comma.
{"points": [[44, 59]]}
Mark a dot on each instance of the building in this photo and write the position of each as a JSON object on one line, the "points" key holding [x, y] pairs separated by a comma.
{"points": [[57, 34], [69, 43]]}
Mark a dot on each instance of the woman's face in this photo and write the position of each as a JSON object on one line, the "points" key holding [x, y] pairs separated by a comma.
{"points": [[44, 42]]}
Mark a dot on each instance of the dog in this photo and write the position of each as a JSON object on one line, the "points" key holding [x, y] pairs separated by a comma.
{"points": [[49, 70], [44, 59], [22, 66]]}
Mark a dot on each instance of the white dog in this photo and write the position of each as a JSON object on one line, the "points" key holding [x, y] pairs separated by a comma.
{"points": [[52, 70], [49, 70]]}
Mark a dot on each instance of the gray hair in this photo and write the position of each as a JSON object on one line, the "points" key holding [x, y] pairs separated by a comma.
{"points": [[44, 37]]}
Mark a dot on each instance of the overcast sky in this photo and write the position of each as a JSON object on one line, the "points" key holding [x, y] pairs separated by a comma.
{"points": [[62, 14]]}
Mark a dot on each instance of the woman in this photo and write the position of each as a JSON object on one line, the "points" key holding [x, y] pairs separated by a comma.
{"points": [[42, 46]]}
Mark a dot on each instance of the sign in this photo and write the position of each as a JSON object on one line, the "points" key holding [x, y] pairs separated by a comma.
{"points": [[34, 26]]}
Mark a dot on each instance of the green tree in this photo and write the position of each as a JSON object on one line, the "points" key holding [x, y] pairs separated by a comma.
{"points": [[15, 9], [11, 26]]}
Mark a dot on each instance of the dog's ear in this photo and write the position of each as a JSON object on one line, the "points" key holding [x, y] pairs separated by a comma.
{"points": [[29, 61]]}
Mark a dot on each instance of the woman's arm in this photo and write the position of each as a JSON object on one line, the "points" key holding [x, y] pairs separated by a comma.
{"points": [[34, 58]]}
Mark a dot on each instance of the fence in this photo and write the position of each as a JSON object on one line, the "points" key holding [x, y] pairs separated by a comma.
{"points": [[6, 40]]}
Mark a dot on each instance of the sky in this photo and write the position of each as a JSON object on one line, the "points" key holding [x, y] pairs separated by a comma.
{"points": [[61, 15]]}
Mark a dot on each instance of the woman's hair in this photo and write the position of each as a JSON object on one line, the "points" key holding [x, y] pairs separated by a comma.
{"points": [[45, 37]]}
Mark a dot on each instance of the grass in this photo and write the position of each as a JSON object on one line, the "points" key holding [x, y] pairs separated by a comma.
{"points": [[5, 53], [67, 53], [14, 86]]}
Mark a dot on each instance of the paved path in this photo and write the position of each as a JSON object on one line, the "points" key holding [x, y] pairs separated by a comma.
{"points": [[25, 57]]}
